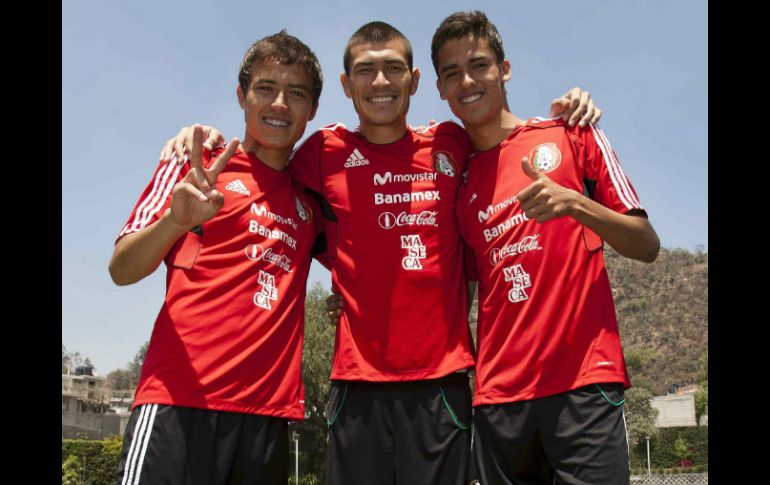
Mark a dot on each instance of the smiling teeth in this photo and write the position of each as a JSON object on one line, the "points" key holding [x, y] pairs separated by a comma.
{"points": [[382, 99], [276, 123], [471, 98]]}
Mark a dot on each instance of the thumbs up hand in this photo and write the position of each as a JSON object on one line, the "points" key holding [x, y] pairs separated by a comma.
{"points": [[544, 199]]}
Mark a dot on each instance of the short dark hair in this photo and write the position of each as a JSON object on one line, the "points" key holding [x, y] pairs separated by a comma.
{"points": [[461, 24], [376, 33], [284, 49]]}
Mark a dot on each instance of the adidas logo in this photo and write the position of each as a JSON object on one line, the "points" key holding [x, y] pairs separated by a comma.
{"points": [[237, 186], [356, 159]]}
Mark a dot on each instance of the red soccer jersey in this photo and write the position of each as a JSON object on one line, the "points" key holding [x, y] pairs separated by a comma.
{"points": [[395, 252], [546, 315], [229, 334]]}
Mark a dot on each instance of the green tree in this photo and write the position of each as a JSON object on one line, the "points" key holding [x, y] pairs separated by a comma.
{"points": [[119, 380], [640, 417], [681, 448], [65, 359], [135, 366], [702, 396], [316, 368]]}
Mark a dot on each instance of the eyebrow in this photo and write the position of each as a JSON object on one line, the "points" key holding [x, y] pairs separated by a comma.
{"points": [[387, 61], [270, 81], [470, 61]]}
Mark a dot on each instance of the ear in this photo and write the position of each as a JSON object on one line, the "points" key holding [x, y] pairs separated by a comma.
{"points": [[345, 81], [415, 81], [313, 112], [241, 97], [440, 89], [506, 66]]}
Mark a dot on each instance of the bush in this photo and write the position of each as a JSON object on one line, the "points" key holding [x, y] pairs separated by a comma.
{"points": [[663, 453], [88, 462]]}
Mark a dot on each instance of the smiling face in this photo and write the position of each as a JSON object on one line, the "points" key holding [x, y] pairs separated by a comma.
{"points": [[277, 106], [380, 84], [471, 80]]}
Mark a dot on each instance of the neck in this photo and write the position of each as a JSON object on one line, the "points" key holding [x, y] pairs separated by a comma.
{"points": [[490, 134], [276, 159], [383, 134]]}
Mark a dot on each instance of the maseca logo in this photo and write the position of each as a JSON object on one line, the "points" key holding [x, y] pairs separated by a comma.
{"points": [[255, 252], [267, 293], [415, 251], [388, 220], [519, 280], [388, 177]]}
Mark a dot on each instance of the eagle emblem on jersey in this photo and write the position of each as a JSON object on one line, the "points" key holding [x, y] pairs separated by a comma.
{"points": [[443, 163], [545, 158], [302, 211]]}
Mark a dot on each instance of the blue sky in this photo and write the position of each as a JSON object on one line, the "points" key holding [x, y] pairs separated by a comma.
{"points": [[133, 73]]}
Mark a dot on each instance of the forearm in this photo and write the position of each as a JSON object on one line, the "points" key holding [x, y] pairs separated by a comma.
{"points": [[138, 254], [630, 235]]}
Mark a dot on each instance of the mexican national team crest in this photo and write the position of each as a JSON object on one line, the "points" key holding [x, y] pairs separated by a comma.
{"points": [[545, 158], [302, 211], [443, 163]]}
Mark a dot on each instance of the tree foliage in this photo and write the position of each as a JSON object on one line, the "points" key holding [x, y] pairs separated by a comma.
{"points": [[702, 396], [316, 368], [663, 315], [71, 360], [640, 416]]}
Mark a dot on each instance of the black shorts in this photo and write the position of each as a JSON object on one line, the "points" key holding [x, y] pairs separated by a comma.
{"points": [[576, 437], [187, 446], [400, 433]]}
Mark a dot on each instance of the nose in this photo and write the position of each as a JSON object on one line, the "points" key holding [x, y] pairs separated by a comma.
{"points": [[380, 79], [279, 101], [467, 80]]}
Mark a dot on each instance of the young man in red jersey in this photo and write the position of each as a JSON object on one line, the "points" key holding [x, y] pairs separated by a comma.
{"points": [[400, 405], [537, 202], [222, 375]]}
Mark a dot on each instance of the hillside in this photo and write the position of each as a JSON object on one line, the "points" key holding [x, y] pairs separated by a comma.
{"points": [[663, 315]]}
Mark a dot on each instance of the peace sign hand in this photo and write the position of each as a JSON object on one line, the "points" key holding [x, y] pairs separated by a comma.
{"points": [[195, 198]]}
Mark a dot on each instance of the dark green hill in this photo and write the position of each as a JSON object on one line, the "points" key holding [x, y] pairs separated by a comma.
{"points": [[663, 315]]}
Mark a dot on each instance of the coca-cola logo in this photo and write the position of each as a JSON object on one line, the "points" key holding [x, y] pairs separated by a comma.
{"points": [[529, 243], [388, 220], [255, 252]]}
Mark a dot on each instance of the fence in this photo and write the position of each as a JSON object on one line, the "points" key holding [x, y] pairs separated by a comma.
{"points": [[677, 479], [91, 426]]}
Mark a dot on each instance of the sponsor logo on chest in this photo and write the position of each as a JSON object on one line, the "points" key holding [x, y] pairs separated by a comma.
{"points": [[485, 214], [519, 280], [262, 211], [415, 252], [406, 197], [388, 177], [255, 252], [389, 220], [356, 160], [529, 243], [505, 226], [268, 291]]}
